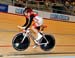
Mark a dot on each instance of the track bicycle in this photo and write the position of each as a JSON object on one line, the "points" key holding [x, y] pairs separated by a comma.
{"points": [[21, 41]]}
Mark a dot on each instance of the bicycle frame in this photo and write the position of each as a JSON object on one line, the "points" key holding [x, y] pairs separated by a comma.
{"points": [[28, 33]]}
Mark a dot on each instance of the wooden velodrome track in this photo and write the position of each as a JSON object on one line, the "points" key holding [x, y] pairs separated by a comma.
{"points": [[63, 32]]}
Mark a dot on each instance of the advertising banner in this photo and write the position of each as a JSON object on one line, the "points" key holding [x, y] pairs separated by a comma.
{"points": [[11, 9], [19, 10], [48, 15], [3, 8], [15, 10], [59, 16]]}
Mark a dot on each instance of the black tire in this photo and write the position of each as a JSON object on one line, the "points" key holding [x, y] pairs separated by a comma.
{"points": [[50, 45], [22, 46]]}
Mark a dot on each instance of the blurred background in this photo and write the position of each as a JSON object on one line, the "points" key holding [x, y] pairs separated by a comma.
{"points": [[54, 6]]}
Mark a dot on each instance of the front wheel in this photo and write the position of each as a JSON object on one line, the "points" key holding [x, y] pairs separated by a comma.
{"points": [[16, 42], [50, 45]]}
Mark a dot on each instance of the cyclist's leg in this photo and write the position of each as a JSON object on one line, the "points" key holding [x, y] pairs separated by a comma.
{"points": [[36, 29], [37, 40]]}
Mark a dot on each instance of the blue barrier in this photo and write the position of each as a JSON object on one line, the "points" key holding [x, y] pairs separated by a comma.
{"points": [[59, 16], [3, 8], [19, 11]]}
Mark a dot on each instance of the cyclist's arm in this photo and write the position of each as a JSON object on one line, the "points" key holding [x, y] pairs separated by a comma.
{"points": [[29, 23], [26, 22]]}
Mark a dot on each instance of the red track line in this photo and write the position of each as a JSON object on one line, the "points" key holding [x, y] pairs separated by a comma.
{"points": [[5, 45]]}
